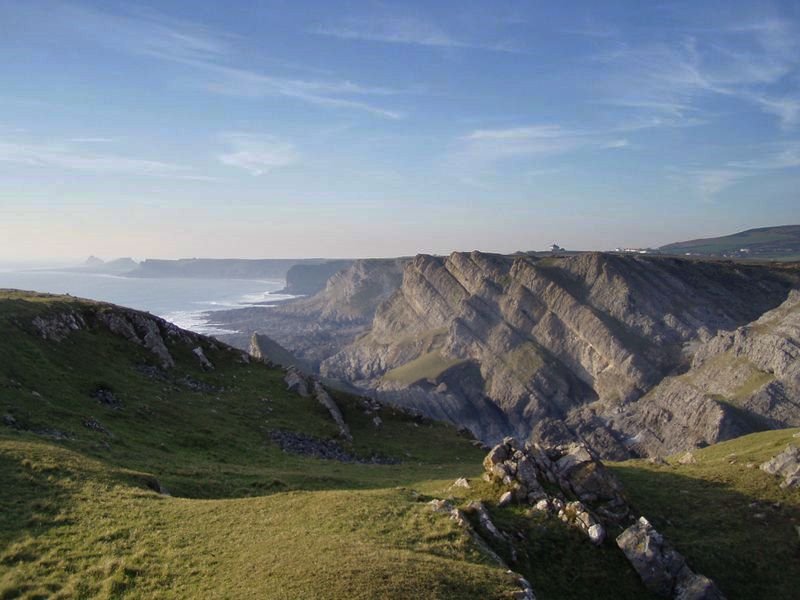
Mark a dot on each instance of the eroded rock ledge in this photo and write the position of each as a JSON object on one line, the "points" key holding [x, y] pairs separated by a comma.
{"points": [[570, 483]]}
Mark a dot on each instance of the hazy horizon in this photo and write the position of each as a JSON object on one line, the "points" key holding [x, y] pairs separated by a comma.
{"points": [[280, 130]]}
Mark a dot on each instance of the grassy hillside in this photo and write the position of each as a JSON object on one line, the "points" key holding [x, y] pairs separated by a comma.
{"points": [[93, 431], [731, 520], [766, 242]]}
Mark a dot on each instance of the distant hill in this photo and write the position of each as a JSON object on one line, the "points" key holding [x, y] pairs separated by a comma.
{"points": [[213, 268], [306, 279], [782, 242]]}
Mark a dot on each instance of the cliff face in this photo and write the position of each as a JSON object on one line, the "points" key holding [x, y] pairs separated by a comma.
{"points": [[317, 327], [739, 381], [308, 279], [551, 347]]}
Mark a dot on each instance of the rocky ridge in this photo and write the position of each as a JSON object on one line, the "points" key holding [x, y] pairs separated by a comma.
{"points": [[553, 348], [317, 327], [739, 381], [570, 483]]}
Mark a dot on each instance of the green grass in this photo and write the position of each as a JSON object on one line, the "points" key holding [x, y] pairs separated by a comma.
{"points": [[731, 520], [525, 360], [427, 366], [79, 517]]}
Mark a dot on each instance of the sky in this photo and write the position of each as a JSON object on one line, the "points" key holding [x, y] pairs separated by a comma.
{"points": [[182, 128]]}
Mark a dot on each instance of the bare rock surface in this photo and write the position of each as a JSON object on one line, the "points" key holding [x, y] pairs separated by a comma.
{"points": [[740, 381], [589, 497], [557, 349], [785, 465], [632, 355], [662, 569]]}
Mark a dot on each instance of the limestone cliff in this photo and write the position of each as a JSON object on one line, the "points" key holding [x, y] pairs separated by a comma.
{"points": [[317, 327], [547, 347], [740, 381]]}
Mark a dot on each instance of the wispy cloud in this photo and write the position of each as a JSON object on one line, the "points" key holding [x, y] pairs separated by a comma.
{"points": [[404, 30], [91, 140], [748, 62], [209, 53], [336, 94], [66, 156], [482, 149], [257, 154], [708, 183]]}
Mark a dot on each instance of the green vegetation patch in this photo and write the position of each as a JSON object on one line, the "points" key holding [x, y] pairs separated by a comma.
{"points": [[428, 366], [731, 520]]}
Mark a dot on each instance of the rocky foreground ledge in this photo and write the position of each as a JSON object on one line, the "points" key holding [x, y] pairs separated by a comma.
{"points": [[570, 483]]}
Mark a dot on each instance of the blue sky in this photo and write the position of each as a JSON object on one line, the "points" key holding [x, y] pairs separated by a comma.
{"points": [[272, 128]]}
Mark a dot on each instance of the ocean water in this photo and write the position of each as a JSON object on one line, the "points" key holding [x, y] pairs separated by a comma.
{"points": [[182, 301]]}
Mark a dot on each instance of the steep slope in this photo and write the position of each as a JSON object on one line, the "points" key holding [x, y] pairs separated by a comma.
{"points": [[731, 520], [782, 242], [546, 347], [131, 467], [308, 279], [742, 380], [141, 460], [314, 328]]}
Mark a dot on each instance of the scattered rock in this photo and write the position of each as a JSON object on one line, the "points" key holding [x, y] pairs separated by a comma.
{"points": [[55, 434], [657, 460], [687, 459], [461, 482], [295, 382], [155, 485], [141, 329], [505, 499], [441, 506], [528, 471], [524, 590], [204, 362], [576, 514], [298, 443], [662, 569], [377, 421], [597, 534], [94, 425], [193, 384], [10, 421], [541, 506], [786, 465], [58, 327], [106, 397]]}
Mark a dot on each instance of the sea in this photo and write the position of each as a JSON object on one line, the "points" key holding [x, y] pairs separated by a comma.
{"points": [[185, 302]]}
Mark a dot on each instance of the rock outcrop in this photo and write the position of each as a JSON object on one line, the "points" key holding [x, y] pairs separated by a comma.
{"points": [[557, 348], [663, 570], [306, 386], [314, 328], [739, 381], [524, 590], [551, 349], [566, 481], [58, 326], [572, 484], [137, 327], [201, 356], [785, 465]]}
